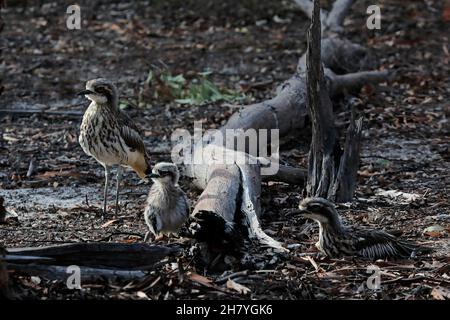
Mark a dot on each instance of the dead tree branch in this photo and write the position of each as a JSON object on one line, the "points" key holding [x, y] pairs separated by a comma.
{"points": [[338, 13], [289, 175], [231, 191], [115, 256], [330, 21], [87, 274], [331, 172]]}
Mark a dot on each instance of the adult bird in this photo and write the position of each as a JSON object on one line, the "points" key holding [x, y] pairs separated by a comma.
{"points": [[337, 240], [108, 135], [167, 206]]}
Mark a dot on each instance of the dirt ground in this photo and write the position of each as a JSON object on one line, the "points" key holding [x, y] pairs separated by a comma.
{"points": [[250, 46]]}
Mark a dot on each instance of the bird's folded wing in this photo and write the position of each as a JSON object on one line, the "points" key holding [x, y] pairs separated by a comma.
{"points": [[131, 134], [152, 218], [185, 204], [376, 244]]}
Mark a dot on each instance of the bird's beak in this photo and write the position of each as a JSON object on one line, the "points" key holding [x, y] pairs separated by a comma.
{"points": [[85, 92], [153, 175], [301, 211]]}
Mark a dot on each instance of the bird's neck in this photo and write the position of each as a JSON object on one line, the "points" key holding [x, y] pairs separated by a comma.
{"points": [[107, 106], [165, 188], [333, 226], [165, 193]]}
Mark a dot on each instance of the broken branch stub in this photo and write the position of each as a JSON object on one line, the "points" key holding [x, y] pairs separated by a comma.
{"points": [[345, 184], [331, 171], [321, 164]]}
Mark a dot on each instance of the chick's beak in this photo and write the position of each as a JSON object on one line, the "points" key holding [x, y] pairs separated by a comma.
{"points": [[85, 92]]}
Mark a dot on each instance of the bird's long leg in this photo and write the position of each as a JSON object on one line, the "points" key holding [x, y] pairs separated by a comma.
{"points": [[105, 192], [119, 176]]}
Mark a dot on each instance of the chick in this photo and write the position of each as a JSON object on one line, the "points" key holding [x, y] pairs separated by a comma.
{"points": [[167, 205]]}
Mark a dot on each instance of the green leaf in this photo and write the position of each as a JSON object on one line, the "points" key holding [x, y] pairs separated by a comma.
{"points": [[198, 91]]}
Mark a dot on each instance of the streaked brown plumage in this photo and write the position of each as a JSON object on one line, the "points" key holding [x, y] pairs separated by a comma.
{"points": [[336, 240], [167, 205], [109, 135]]}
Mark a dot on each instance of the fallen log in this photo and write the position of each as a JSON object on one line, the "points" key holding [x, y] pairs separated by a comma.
{"points": [[62, 273], [231, 192], [5, 290], [116, 256], [289, 175]]}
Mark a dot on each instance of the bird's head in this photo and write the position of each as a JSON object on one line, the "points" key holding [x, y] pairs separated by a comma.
{"points": [[320, 210], [101, 91], [165, 173]]}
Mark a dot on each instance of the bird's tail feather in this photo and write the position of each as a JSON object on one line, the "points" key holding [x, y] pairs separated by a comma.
{"points": [[411, 249]]}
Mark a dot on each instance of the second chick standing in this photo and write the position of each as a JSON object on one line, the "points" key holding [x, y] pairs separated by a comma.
{"points": [[167, 206]]}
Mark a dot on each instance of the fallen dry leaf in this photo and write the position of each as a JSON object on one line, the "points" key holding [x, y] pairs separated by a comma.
{"points": [[107, 223], [435, 231], [440, 293], [129, 241], [200, 279]]}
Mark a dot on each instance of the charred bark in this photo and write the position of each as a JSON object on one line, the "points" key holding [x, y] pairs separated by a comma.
{"points": [[95, 260], [5, 290], [331, 171], [87, 274]]}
